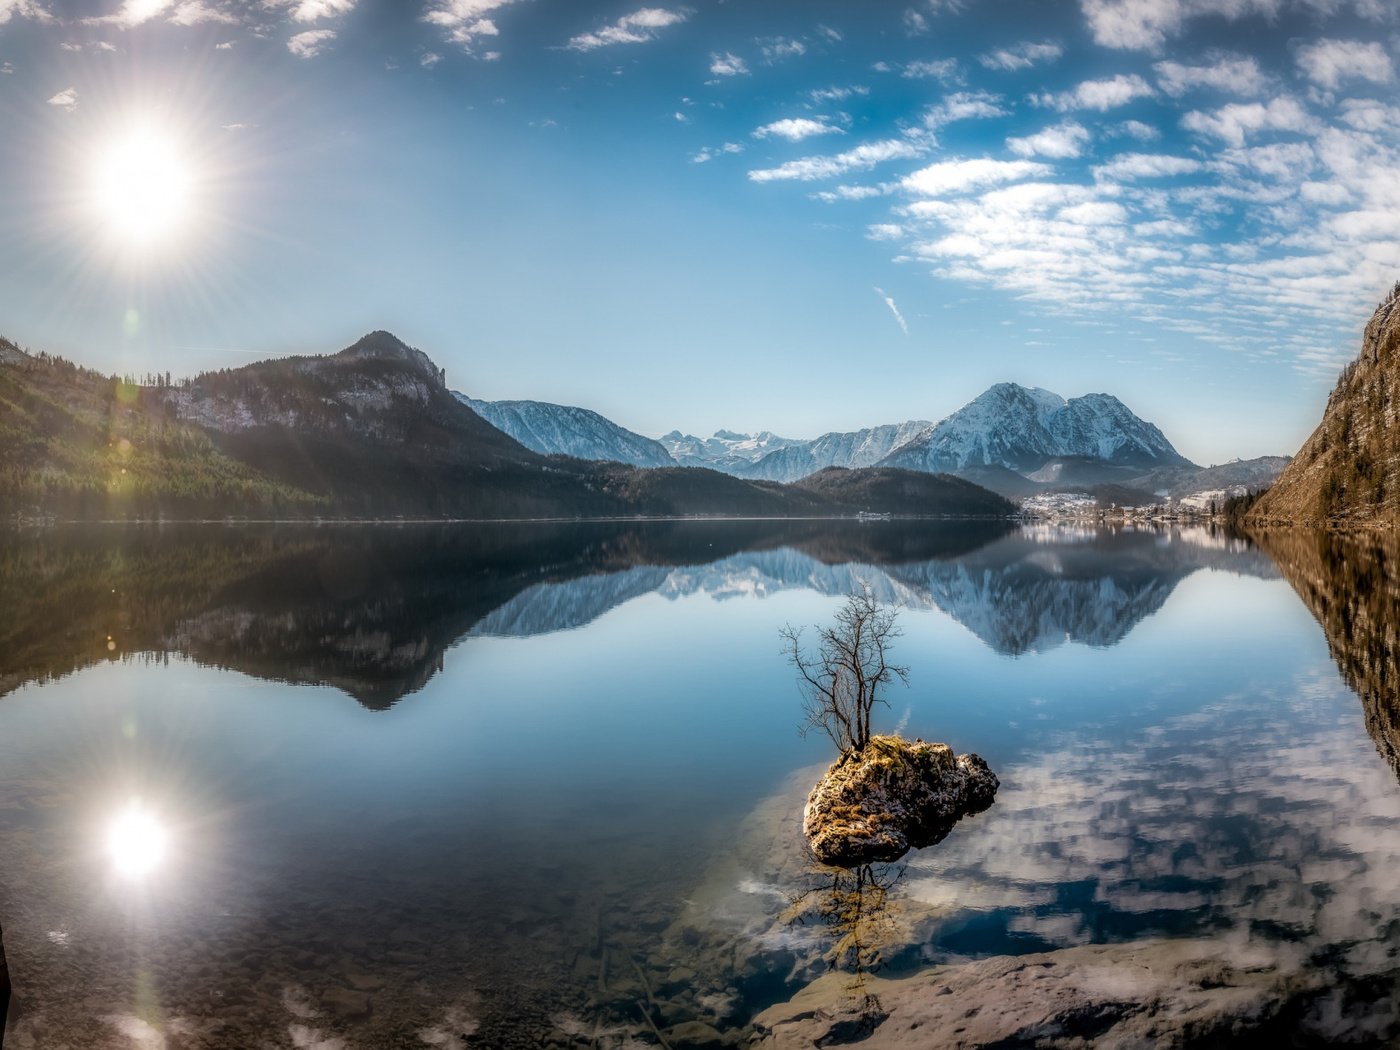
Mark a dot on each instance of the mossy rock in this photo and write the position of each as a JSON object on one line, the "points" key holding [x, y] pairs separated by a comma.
{"points": [[893, 795]]}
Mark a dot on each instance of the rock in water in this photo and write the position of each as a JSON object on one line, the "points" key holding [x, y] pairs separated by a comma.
{"points": [[876, 804]]}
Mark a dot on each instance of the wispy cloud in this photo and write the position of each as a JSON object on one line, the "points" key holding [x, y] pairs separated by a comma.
{"points": [[1061, 142], [1146, 25], [197, 12], [1101, 95], [944, 70], [464, 22], [709, 153], [964, 105], [899, 317], [1131, 166], [777, 48], [727, 64], [1329, 62], [67, 99], [862, 158], [795, 129], [313, 10], [310, 43], [1230, 74], [32, 9], [639, 27], [1020, 56], [1236, 122], [948, 177]]}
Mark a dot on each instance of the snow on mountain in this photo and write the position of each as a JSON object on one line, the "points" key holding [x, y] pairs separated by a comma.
{"points": [[1018, 594], [1022, 428], [861, 448], [726, 450], [570, 431]]}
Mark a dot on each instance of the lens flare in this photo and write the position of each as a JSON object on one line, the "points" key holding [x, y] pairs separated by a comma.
{"points": [[136, 841]]}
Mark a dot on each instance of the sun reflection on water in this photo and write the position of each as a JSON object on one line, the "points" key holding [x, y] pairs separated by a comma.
{"points": [[137, 842]]}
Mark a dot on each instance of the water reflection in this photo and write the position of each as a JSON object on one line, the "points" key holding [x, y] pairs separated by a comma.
{"points": [[1351, 583], [373, 611]]}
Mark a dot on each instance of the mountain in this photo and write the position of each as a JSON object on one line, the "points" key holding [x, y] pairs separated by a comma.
{"points": [[726, 451], [882, 488], [565, 430], [369, 432], [1023, 428], [77, 444], [860, 448], [1348, 471]]}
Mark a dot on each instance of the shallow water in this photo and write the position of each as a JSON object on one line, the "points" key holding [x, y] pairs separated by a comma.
{"points": [[482, 787]]}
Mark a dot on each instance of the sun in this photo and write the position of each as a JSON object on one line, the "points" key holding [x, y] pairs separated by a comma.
{"points": [[142, 188]]}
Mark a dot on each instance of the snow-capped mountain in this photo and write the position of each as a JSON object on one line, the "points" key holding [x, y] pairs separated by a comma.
{"points": [[1023, 428], [581, 432], [861, 448], [726, 451]]}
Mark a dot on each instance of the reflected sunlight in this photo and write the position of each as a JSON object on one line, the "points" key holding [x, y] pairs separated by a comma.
{"points": [[136, 841]]}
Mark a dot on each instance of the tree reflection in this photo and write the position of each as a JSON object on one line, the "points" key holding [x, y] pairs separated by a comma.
{"points": [[855, 905], [1351, 584]]}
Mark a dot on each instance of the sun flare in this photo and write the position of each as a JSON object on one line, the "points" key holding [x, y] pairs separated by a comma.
{"points": [[136, 841], [141, 189]]}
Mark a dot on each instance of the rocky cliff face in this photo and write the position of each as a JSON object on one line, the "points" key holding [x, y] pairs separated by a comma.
{"points": [[1348, 471]]}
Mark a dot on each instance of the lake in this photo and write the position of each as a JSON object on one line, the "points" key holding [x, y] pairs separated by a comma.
{"points": [[541, 784]]}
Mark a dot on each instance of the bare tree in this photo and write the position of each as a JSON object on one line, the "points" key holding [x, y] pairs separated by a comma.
{"points": [[842, 682]]}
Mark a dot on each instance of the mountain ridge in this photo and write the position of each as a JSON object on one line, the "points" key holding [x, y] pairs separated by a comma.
{"points": [[1348, 470]]}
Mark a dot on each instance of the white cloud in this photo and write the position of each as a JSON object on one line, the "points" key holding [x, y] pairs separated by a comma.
{"points": [[67, 99], [6, 69], [1061, 142], [1136, 129], [727, 64], [429, 59], [466, 21], [314, 10], [1128, 167], [795, 129], [782, 47], [1021, 56], [1329, 62], [959, 176], [863, 157], [1232, 74], [1145, 25], [23, 9], [889, 301], [1233, 123], [639, 27], [915, 24], [310, 43], [197, 12], [964, 105], [708, 153], [1101, 95], [134, 12], [944, 70], [821, 96]]}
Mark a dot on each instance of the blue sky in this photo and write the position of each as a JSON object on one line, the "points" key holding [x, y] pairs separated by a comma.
{"points": [[799, 216]]}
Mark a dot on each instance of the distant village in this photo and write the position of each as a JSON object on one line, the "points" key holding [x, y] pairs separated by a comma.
{"points": [[1082, 506]]}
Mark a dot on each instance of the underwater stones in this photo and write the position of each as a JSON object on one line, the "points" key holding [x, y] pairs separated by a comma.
{"points": [[876, 804]]}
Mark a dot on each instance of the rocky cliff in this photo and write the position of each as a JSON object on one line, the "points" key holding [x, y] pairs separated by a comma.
{"points": [[1348, 471]]}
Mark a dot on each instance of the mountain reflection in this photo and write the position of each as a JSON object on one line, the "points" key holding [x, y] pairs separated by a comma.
{"points": [[372, 610], [1351, 583]]}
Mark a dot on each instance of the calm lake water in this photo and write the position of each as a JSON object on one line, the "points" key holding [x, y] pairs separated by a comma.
{"points": [[347, 788]]}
